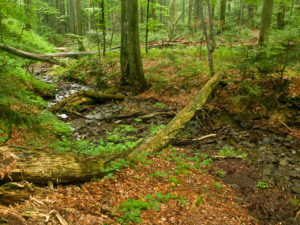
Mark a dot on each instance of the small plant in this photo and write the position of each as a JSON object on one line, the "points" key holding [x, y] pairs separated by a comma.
{"points": [[159, 105], [199, 201], [155, 129], [220, 173], [218, 185], [138, 120], [262, 185], [174, 181], [159, 174]]}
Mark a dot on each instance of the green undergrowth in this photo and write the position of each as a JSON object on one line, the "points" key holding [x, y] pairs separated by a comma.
{"points": [[132, 208]]}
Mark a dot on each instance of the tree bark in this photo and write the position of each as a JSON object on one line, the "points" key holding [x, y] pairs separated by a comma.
{"points": [[210, 43], [190, 14], [31, 56], [147, 26], [171, 23], [103, 27], [250, 14], [43, 166], [132, 73], [266, 18], [183, 11], [281, 14], [222, 14]]}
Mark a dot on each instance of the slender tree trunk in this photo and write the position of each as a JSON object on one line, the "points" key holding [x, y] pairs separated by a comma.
{"points": [[222, 14], [131, 62], [103, 27], [153, 10], [79, 17], [190, 14], [197, 20], [147, 26], [72, 17], [141, 14], [29, 12], [250, 14], [241, 12], [209, 41], [183, 11], [171, 23], [266, 19], [281, 14]]}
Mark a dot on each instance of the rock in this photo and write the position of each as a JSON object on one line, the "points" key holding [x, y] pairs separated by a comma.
{"points": [[266, 140], [283, 162], [296, 182], [268, 169], [294, 152], [296, 190], [63, 116]]}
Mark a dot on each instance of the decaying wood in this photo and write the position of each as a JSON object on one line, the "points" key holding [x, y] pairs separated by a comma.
{"points": [[11, 193], [142, 115], [181, 142], [84, 97], [28, 55], [69, 54], [165, 135], [42, 166]]}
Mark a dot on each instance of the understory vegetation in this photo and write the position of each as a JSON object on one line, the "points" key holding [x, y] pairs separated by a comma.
{"points": [[149, 111]]}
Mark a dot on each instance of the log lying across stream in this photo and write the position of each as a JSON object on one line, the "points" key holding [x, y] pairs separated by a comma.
{"points": [[43, 166]]}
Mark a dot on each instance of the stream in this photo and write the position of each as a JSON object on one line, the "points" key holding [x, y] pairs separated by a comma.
{"points": [[274, 156]]}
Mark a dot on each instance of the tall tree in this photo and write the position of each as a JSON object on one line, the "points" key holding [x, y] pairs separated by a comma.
{"points": [[197, 20], [183, 11], [280, 13], [103, 27], [266, 19], [172, 18], [190, 14], [209, 38], [131, 62], [222, 14]]}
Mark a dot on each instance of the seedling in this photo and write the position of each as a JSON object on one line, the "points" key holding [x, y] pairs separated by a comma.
{"points": [[262, 185]]}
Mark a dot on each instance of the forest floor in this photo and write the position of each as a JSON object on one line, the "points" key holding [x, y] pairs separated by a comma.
{"points": [[245, 172]]}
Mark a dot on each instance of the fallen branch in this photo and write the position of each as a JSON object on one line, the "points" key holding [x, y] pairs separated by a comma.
{"points": [[32, 56], [83, 97], [189, 141], [69, 54]]}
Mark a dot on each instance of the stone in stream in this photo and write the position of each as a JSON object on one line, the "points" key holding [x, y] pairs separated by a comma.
{"points": [[283, 162]]}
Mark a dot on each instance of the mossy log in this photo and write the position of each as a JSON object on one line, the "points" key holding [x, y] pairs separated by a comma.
{"points": [[82, 98], [169, 132], [31, 56], [11, 193], [46, 166]]}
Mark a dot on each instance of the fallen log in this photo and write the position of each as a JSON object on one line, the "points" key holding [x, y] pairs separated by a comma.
{"points": [[31, 56], [169, 132], [46, 166], [84, 97], [69, 54]]}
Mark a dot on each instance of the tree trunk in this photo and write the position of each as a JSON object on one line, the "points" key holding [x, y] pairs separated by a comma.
{"points": [[141, 14], [103, 27], [153, 10], [266, 18], [197, 19], [147, 26], [31, 56], [222, 14], [281, 14], [183, 11], [208, 38], [190, 14], [131, 62], [43, 166], [250, 14], [171, 23], [79, 18]]}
